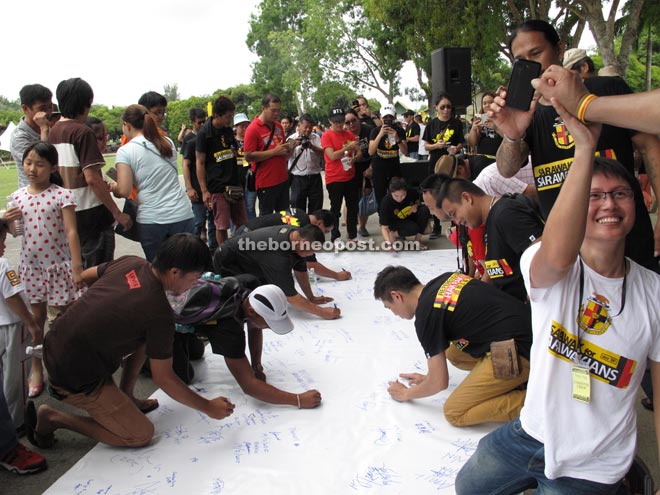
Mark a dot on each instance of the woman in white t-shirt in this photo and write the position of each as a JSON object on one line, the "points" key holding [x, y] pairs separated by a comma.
{"points": [[595, 323], [148, 161]]}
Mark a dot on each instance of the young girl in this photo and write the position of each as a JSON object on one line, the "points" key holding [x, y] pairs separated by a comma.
{"points": [[50, 263]]}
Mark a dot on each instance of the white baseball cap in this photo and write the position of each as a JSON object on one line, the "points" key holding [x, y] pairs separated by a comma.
{"points": [[388, 110], [239, 118], [270, 303]]}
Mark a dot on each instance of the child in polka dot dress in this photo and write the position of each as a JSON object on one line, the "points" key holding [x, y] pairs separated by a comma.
{"points": [[50, 263]]}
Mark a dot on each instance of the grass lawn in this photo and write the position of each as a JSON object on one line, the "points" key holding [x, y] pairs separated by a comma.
{"points": [[9, 176]]}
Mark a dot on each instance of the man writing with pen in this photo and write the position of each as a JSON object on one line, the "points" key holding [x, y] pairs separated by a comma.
{"points": [[472, 325]]}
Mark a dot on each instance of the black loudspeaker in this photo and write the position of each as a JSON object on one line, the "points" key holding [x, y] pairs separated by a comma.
{"points": [[451, 72]]}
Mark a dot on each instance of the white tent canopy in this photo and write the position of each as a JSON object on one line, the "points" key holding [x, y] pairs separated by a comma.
{"points": [[6, 136]]}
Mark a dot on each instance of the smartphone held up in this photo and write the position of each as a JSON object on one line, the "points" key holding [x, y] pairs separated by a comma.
{"points": [[520, 91]]}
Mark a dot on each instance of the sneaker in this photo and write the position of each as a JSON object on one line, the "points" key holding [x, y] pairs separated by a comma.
{"points": [[363, 232], [22, 460], [436, 234]]}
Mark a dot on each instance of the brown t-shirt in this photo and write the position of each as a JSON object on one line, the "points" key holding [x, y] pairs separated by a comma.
{"points": [[77, 150], [123, 309]]}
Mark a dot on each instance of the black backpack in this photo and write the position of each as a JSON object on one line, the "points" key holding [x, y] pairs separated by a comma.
{"points": [[212, 300]]}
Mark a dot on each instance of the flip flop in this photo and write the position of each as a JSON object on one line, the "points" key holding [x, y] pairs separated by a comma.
{"points": [[36, 439], [35, 391], [149, 405]]}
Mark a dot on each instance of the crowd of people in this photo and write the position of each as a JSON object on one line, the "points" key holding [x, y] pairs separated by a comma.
{"points": [[552, 310]]}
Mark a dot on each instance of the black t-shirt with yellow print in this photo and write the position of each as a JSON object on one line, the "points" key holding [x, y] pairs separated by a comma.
{"points": [[220, 148], [510, 228], [391, 211], [471, 314], [552, 147], [386, 150], [451, 132]]}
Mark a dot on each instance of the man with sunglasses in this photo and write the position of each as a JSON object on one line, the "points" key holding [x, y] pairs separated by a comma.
{"points": [[362, 164], [444, 133]]}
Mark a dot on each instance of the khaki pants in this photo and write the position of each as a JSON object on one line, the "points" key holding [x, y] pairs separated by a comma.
{"points": [[112, 409], [481, 397]]}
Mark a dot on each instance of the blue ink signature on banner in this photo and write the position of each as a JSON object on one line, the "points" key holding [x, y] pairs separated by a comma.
{"points": [[375, 476]]}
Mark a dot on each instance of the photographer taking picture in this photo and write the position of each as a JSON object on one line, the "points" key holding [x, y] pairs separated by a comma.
{"points": [[385, 143], [305, 167]]}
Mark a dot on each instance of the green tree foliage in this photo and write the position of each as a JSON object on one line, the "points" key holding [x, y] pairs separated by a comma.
{"points": [[304, 44], [328, 95], [271, 36], [427, 25], [171, 92], [7, 116], [602, 21], [111, 117], [6, 104], [246, 97]]}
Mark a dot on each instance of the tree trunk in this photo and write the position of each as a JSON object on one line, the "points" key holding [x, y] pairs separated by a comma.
{"points": [[630, 35], [603, 29]]}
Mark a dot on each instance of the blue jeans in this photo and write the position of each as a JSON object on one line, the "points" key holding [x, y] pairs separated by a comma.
{"points": [[153, 234], [509, 461], [413, 154], [251, 203], [202, 214]]}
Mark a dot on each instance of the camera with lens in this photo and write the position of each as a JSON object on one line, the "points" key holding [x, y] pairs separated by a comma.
{"points": [[304, 141]]}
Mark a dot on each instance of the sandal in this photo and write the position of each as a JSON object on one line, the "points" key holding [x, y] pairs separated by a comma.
{"points": [[37, 439], [35, 391]]}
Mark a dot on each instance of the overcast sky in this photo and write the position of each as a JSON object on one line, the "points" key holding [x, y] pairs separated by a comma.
{"points": [[124, 48]]}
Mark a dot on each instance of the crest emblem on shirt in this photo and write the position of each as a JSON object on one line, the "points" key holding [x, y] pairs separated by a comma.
{"points": [[13, 278], [594, 317], [562, 137]]}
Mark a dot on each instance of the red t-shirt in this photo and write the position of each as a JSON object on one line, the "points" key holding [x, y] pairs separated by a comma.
{"points": [[273, 171], [334, 170], [476, 246]]}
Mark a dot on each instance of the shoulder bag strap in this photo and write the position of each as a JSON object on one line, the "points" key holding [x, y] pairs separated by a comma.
{"points": [[270, 140]]}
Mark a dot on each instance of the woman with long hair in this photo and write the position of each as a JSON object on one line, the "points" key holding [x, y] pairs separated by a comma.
{"points": [[148, 161]]}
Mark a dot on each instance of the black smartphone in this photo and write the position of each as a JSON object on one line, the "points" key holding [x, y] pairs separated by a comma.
{"points": [[355, 103], [519, 92]]}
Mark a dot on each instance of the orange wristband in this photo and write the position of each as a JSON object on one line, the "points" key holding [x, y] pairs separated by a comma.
{"points": [[584, 104]]}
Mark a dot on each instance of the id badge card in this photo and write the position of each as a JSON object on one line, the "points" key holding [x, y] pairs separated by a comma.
{"points": [[581, 383]]}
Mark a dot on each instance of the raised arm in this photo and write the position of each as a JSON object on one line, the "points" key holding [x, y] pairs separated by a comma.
{"points": [[565, 227], [640, 111], [513, 124]]}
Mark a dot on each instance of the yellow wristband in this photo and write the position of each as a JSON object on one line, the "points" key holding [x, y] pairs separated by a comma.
{"points": [[584, 104]]}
